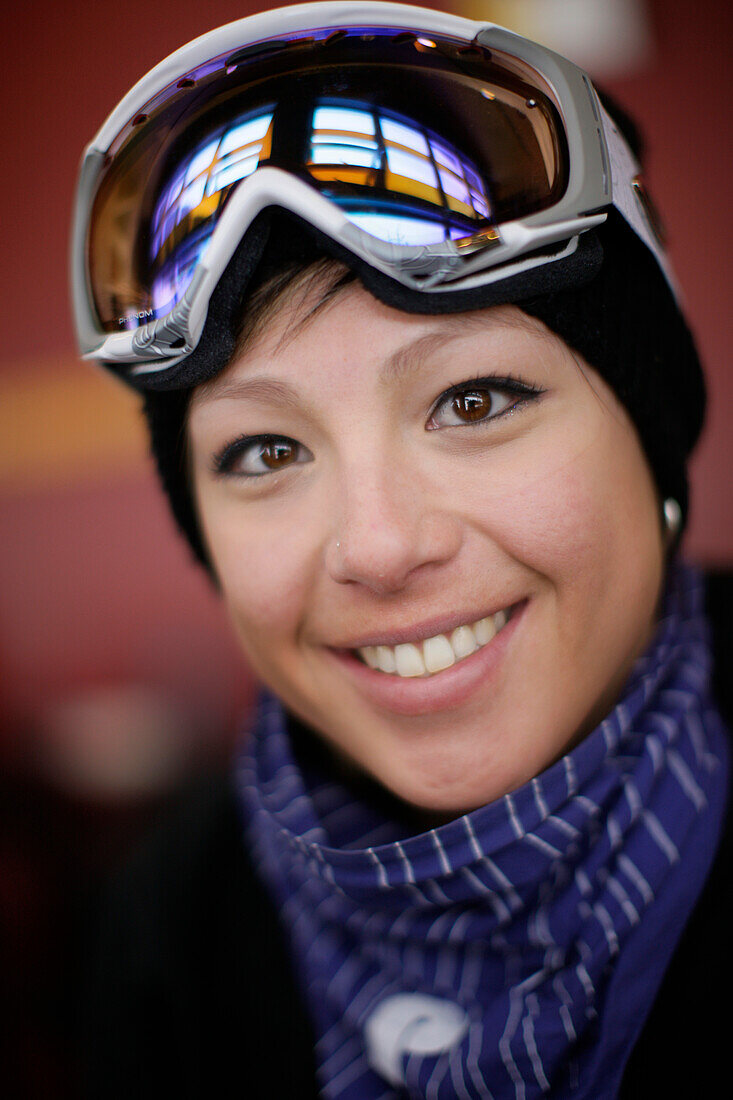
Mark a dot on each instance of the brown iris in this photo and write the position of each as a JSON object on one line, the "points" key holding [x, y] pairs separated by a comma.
{"points": [[277, 453], [472, 404]]}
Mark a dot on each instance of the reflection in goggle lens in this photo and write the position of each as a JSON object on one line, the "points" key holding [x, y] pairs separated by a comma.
{"points": [[417, 141], [351, 149]]}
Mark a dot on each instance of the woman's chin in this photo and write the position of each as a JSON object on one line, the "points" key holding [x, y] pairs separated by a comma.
{"points": [[445, 783]]}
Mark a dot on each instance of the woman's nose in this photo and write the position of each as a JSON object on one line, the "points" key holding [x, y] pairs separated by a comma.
{"points": [[388, 526]]}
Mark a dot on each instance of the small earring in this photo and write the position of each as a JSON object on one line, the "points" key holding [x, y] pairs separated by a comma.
{"points": [[338, 544], [672, 517]]}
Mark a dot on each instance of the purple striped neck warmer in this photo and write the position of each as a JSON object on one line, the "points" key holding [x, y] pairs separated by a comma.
{"points": [[514, 952]]}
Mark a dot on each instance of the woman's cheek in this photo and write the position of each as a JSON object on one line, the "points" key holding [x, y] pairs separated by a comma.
{"points": [[557, 525], [263, 573]]}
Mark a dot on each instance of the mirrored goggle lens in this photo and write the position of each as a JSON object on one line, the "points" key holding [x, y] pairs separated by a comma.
{"points": [[417, 140]]}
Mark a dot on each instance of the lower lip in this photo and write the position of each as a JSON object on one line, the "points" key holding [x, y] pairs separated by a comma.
{"points": [[444, 690]]}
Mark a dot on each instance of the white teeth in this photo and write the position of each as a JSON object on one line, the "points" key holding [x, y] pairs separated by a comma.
{"points": [[369, 653], [409, 660], [438, 654], [386, 659], [485, 629], [463, 642], [434, 654]]}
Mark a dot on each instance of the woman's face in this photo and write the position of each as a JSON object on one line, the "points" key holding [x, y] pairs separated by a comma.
{"points": [[378, 488]]}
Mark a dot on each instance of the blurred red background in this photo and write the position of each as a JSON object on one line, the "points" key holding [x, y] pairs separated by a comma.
{"points": [[118, 675]]}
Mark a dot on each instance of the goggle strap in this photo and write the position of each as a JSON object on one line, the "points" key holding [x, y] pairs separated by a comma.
{"points": [[627, 197]]}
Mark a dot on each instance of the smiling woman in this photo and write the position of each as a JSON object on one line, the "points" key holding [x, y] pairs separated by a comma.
{"points": [[422, 397], [413, 516]]}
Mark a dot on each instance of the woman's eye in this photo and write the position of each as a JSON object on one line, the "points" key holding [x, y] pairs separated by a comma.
{"points": [[255, 456], [471, 403]]}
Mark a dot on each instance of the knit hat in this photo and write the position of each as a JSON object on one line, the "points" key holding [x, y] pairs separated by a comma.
{"points": [[618, 313]]}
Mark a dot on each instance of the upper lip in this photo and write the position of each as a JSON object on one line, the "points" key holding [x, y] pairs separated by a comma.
{"points": [[419, 632]]}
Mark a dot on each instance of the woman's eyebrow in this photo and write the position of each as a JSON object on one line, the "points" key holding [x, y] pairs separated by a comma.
{"points": [[411, 357], [270, 390]]}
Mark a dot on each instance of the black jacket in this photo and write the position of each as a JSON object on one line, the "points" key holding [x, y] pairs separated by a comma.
{"points": [[189, 989]]}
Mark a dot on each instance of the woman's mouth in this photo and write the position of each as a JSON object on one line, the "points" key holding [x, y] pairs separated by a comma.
{"points": [[434, 654], [435, 672]]}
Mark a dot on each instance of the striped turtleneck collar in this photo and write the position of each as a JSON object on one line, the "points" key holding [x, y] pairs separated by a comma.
{"points": [[499, 954]]}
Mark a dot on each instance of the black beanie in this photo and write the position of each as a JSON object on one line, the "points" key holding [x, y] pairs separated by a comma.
{"points": [[620, 316], [627, 324]]}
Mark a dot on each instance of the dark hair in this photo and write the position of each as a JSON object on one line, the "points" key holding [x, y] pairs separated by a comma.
{"points": [[296, 281]]}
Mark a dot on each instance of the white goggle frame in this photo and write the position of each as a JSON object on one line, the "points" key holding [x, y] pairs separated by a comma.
{"points": [[602, 173]]}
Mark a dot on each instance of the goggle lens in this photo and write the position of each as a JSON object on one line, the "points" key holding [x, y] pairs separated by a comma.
{"points": [[417, 141]]}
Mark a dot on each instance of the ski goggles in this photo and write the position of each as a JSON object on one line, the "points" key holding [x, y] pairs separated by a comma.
{"points": [[445, 155]]}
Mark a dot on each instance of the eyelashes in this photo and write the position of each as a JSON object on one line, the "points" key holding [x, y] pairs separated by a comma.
{"points": [[258, 455], [472, 403]]}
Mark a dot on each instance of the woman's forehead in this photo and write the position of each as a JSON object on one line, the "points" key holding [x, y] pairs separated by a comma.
{"points": [[392, 345]]}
